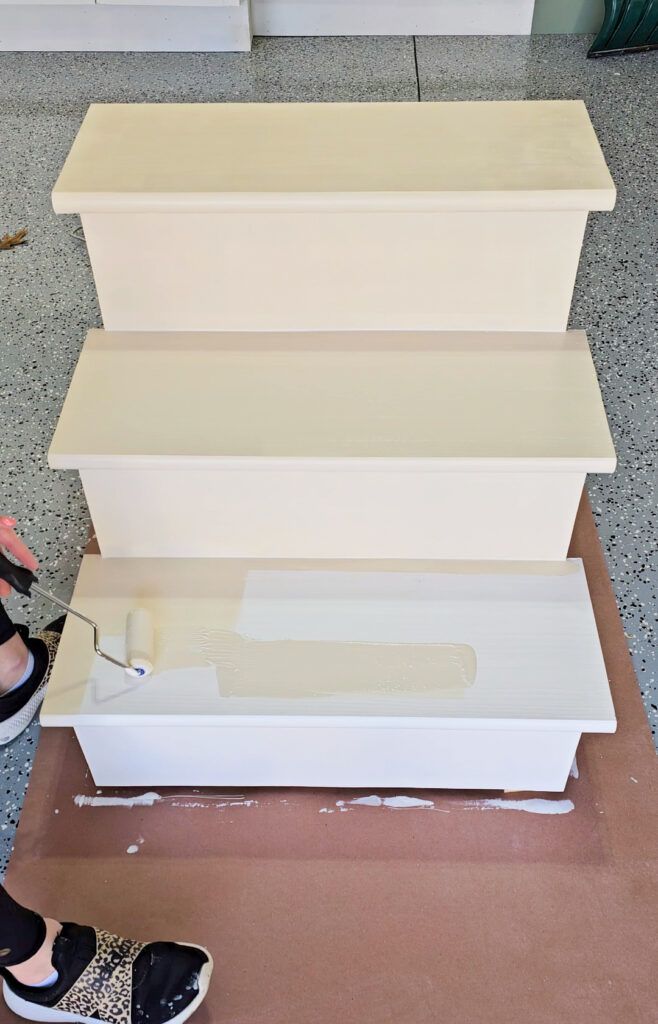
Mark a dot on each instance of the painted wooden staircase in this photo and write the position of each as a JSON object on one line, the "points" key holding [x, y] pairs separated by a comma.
{"points": [[333, 437]]}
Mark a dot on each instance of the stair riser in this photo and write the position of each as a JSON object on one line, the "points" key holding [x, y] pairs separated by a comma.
{"points": [[339, 270], [335, 757], [321, 513]]}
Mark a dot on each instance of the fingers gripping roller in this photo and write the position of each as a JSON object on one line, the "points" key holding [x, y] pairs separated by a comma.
{"points": [[139, 625]]}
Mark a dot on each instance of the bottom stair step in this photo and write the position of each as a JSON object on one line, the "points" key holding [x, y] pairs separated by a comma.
{"points": [[431, 674]]}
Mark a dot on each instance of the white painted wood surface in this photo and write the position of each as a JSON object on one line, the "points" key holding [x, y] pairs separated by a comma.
{"points": [[335, 216], [316, 513], [388, 17], [444, 674], [330, 757], [82, 25], [351, 445]]}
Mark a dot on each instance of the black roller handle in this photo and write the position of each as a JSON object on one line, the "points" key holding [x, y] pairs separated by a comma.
{"points": [[17, 576], [23, 581]]}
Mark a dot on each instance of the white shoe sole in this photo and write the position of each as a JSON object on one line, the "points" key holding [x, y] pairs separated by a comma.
{"points": [[30, 1011], [18, 723]]}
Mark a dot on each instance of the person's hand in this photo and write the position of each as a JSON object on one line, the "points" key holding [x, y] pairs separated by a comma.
{"points": [[14, 545]]}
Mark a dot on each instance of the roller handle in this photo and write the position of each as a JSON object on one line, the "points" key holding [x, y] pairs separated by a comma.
{"points": [[17, 576]]}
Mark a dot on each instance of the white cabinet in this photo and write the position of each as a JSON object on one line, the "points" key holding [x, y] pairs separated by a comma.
{"points": [[170, 3], [180, 24], [126, 25], [387, 17], [48, 3]]}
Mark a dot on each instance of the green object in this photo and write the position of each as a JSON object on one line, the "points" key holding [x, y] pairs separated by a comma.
{"points": [[628, 26]]}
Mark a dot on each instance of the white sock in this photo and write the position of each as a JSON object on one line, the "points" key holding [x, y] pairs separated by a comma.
{"points": [[47, 982], [29, 668]]}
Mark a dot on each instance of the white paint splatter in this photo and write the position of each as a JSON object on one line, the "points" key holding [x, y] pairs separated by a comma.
{"points": [[143, 800], [574, 772], [212, 806], [176, 799], [199, 803], [196, 795], [394, 802], [533, 806], [133, 848], [191, 803], [632, 778], [398, 802]]}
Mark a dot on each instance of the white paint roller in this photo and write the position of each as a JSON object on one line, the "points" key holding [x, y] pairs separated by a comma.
{"points": [[139, 625], [139, 643]]}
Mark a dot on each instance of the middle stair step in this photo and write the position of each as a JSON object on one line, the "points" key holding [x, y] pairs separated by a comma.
{"points": [[334, 445]]}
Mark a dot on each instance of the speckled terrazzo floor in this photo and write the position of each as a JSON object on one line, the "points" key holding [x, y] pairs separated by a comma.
{"points": [[47, 298]]}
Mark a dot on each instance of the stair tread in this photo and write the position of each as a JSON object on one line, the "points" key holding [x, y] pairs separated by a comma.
{"points": [[472, 155], [450, 644], [460, 400]]}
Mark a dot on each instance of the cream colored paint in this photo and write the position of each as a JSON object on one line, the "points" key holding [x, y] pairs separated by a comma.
{"points": [[348, 217], [292, 669], [432, 216], [192, 400], [342, 512], [524, 628], [504, 153], [335, 270], [244, 667], [384, 444]]}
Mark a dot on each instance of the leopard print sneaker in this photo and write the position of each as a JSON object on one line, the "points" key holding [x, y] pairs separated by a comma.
{"points": [[103, 979], [18, 707]]}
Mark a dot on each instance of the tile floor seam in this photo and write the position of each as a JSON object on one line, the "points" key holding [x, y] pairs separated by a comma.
{"points": [[420, 99]]}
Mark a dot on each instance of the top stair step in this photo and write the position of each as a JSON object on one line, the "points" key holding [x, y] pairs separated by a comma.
{"points": [[335, 216], [431, 156]]}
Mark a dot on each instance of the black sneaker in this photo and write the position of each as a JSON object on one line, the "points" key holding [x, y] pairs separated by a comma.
{"points": [[17, 709], [107, 980]]}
